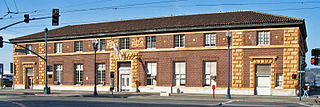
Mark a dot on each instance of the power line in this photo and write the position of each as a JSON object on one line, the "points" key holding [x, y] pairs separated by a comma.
{"points": [[106, 8], [288, 9], [70, 23], [129, 6], [15, 4], [116, 7], [6, 5]]}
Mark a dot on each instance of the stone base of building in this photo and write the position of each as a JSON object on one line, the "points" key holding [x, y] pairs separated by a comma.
{"points": [[19, 87], [158, 89]]}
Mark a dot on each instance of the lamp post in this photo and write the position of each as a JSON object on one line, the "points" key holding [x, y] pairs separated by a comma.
{"points": [[228, 34], [46, 89], [95, 43]]}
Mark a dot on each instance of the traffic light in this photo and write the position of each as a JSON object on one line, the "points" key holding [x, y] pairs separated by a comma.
{"points": [[315, 52], [315, 61], [55, 17], [294, 76], [1, 41], [26, 18]]}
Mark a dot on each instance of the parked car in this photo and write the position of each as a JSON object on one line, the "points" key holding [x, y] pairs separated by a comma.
{"points": [[7, 82]]}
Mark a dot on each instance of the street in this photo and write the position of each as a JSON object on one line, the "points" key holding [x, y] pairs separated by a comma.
{"points": [[28, 98]]}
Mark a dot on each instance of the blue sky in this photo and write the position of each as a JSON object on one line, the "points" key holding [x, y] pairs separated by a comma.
{"points": [[91, 11]]}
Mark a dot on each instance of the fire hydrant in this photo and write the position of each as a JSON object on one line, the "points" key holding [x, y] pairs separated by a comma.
{"points": [[213, 88]]}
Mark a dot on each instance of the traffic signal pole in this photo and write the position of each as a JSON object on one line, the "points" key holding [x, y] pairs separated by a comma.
{"points": [[24, 21], [300, 90]]}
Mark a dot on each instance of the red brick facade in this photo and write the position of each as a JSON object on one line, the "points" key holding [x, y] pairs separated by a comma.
{"points": [[286, 46], [194, 58]]}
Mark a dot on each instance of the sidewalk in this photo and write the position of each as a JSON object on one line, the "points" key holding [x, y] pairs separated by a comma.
{"points": [[276, 99]]}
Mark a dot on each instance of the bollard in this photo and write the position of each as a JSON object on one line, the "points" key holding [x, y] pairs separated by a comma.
{"points": [[213, 88]]}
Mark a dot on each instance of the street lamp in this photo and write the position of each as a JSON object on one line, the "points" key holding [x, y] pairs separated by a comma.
{"points": [[46, 89], [228, 34], [95, 43]]}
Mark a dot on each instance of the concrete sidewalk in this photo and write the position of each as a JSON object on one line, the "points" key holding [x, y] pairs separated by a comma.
{"points": [[194, 97]]}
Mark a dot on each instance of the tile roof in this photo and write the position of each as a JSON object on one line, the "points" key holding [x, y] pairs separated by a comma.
{"points": [[198, 20]]}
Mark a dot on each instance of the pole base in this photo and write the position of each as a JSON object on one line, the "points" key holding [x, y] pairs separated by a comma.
{"points": [[95, 93], [47, 90], [228, 96]]}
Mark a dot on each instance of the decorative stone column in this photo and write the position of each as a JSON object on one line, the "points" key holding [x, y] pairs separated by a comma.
{"points": [[41, 64], [16, 76], [290, 58], [237, 60]]}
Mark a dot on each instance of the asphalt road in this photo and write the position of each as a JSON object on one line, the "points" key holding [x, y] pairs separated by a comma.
{"points": [[58, 101]]}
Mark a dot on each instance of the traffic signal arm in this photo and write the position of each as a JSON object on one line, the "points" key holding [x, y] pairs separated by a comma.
{"points": [[26, 49]]}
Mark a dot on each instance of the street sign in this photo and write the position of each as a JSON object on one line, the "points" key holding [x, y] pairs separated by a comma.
{"points": [[301, 71], [21, 50]]}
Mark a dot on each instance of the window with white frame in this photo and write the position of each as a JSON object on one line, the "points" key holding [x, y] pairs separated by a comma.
{"points": [[210, 39], [263, 38], [101, 70], [78, 46], [179, 41], [78, 73], [209, 71], [151, 42], [124, 43], [58, 47], [29, 46], [179, 74], [101, 45], [279, 80], [151, 73], [58, 73]]}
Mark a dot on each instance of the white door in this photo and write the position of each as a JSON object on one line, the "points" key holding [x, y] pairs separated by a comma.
{"points": [[263, 85], [263, 79], [125, 82]]}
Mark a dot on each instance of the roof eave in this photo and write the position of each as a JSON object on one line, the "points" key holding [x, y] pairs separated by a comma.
{"points": [[158, 31]]}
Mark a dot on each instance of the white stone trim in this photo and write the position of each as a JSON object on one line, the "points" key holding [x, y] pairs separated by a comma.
{"points": [[19, 87]]}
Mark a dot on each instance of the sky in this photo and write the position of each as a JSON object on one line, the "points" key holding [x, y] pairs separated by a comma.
{"points": [[75, 12]]}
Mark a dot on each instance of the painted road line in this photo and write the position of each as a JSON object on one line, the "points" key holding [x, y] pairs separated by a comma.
{"points": [[19, 104]]}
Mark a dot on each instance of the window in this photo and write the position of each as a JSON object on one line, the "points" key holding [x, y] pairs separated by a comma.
{"points": [[279, 80], [209, 71], [78, 72], [101, 70], [30, 48], [58, 47], [58, 72], [101, 45], [124, 43], [78, 46], [264, 38], [179, 73], [151, 42], [178, 41], [210, 39], [151, 73]]}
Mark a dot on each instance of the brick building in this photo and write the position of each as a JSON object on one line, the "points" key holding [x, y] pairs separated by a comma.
{"points": [[175, 54]]}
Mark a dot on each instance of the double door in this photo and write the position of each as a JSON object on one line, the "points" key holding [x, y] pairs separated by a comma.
{"points": [[125, 82]]}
